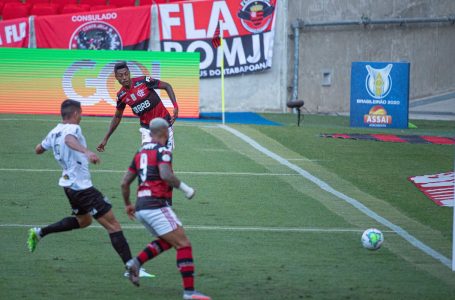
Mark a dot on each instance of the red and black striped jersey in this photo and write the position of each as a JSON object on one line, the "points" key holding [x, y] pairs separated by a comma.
{"points": [[152, 192], [143, 100]]}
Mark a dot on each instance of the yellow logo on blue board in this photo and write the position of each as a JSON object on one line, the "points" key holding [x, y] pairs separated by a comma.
{"points": [[378, 81]]}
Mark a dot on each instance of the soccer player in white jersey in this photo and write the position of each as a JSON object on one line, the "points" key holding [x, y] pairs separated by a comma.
{"points": [[70, 151]]}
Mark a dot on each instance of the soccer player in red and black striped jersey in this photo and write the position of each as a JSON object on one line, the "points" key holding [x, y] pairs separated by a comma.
{"points": [[153, 166], [139, 93]]}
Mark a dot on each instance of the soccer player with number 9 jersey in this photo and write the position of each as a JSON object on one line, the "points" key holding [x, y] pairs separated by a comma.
{"points": [[152, 165]]}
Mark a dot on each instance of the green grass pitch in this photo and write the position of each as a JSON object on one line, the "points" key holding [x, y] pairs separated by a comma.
{"points": [[242, 196]]}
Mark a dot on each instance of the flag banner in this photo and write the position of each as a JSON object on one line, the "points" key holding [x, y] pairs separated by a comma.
{"points": [[35, 81], [437, 187], [14, 33], [248, 30], [113, 29]]}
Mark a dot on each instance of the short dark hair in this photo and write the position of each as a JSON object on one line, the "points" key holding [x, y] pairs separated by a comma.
{"points": [[68, 107], [120, 65]]}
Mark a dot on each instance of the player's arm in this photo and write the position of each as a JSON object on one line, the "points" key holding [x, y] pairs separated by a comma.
{"points": [[72, 142], [167, 175], [128, 178], [112, 127], [170, 92], [44, 145]]}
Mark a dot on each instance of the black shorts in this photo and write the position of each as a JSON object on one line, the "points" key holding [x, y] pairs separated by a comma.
{"points": [[88, 201]]}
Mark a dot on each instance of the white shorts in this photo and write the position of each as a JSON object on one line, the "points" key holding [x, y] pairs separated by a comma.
{"points": [[146, 138], [159, 221]]}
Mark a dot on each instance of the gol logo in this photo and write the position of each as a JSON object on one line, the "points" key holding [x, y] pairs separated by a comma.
{"points": [[377, 115]]}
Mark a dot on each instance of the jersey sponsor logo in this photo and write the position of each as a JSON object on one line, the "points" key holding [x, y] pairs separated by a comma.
{"points": [[141, 107], [96, 36], [256, 15], [138, 83]]}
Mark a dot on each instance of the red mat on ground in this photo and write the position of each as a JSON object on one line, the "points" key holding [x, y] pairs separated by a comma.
{"points": [[437, 187], [412, 139]]}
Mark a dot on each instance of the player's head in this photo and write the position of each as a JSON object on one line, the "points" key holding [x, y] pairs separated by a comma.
{"points": [[71, 111], [159, 130], [122, 73]]}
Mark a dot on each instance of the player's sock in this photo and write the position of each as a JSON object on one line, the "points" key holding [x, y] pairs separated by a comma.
{"points": [[186, 267], [65, 224], [152, 250], [120, 245]]}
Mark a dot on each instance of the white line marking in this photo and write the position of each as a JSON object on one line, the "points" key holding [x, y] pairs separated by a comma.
{"points": [[178, 172], [355, 203], [182, 122], [219, 228], [306, 159]]}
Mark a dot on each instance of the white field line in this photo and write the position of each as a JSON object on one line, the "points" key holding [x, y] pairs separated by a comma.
{"points": [[355, 203], [306, 159], [178, 172], [181, 122], [219, 228]]}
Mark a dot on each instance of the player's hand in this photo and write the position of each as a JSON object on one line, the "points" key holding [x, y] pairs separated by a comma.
{"points": [[92, 157], [130, 211], [101, 146]]}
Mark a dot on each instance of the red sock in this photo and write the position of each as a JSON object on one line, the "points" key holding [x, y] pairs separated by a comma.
{"points": [[186, 267], [152, 250]]}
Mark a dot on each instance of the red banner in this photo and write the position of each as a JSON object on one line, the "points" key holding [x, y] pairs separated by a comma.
{"points": [[113, 29], [248, 29], [14, 33], [438, 187]]}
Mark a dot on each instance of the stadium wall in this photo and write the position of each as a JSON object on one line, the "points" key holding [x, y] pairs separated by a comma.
{"points": [[429, 48], [263, 91]]}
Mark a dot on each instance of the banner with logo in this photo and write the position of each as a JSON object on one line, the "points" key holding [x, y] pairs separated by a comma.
{"points": [[88, 77], [380, 94], [113, 29], [248, 31], [14, 33]]}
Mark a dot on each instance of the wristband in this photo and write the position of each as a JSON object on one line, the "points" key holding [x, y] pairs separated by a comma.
{"points": [[185, 188]]}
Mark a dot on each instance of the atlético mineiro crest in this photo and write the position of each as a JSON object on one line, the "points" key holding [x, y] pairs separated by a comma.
{"points": [[96, 36], [256, 15]]}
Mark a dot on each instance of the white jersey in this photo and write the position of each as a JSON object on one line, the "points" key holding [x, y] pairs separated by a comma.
{"points": [[75, 165]]}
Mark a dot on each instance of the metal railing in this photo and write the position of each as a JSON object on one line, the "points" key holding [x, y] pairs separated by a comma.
{"points": [[367, 21]]}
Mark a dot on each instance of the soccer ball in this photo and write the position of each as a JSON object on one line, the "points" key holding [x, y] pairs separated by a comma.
{"points": [[372, 239]]}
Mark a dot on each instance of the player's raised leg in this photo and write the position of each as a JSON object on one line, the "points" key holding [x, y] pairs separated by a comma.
{"points": [[66, 224]]}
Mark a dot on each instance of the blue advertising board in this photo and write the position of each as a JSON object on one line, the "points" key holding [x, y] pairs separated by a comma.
{"points": [[380, 94]]}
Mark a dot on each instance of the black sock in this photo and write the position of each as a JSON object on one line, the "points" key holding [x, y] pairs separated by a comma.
{"points": [[121, 245], [66, 224]]}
